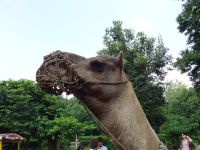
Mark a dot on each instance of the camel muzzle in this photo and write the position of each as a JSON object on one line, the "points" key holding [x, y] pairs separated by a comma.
{"points": [[53, 83]]}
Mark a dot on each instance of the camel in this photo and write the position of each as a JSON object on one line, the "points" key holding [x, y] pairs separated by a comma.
{"points": [[105, 91]]}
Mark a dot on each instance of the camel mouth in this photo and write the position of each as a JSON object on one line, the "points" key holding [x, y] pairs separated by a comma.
{"points": [[54, 83]]}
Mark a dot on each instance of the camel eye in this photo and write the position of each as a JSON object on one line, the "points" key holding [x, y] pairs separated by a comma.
{"points": [[97, 66]]}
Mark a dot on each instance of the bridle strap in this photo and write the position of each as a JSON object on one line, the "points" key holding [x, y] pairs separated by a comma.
{"points": [[106, 83]]}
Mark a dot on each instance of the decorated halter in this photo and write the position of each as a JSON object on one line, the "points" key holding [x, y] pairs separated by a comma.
{"points": [[53, 83]]}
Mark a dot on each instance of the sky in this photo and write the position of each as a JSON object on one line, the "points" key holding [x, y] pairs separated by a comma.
{"points": [[31, 29]]}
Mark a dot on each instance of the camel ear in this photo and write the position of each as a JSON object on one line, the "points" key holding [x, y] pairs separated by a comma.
{"points": [[120, 58]]}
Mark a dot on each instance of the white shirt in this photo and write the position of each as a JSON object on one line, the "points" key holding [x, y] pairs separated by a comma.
{"points": [[103, 148]]}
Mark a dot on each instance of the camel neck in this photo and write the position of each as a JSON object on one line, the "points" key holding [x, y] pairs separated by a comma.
{"points": [[123, 119]]}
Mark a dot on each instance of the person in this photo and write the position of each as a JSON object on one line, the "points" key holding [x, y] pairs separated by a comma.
{"points": [[81, 147], [186, 141], [93, 144], [101, 145]]}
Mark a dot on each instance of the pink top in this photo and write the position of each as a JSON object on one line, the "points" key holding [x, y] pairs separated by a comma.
{"points": [[185, 144]]}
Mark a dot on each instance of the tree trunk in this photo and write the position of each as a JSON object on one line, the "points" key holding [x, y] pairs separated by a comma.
{"points": [[57, 144], [76, 141], [26, 144], [51, 144]]}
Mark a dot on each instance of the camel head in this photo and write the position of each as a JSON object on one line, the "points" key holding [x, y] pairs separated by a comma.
{"points": [[73, 74], [96, 81], [103, 88]]}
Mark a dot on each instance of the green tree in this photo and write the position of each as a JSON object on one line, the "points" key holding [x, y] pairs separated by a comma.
{"points": [[66, 128], [145, 64], [75, 109], [19, 107], [189, 24], [182, 113], [24, 108]]}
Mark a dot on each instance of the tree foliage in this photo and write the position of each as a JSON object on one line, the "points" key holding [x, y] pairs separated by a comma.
{"points": [[145, 63], [75, 109], [27, 110], [182, 113], [62, 126], [189, 24]]}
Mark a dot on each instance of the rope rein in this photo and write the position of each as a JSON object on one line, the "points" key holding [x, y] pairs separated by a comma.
{"points": [[101, 126]]}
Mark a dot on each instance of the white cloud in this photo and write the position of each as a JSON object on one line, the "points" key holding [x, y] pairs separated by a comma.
{"points": [[176, 75]]}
